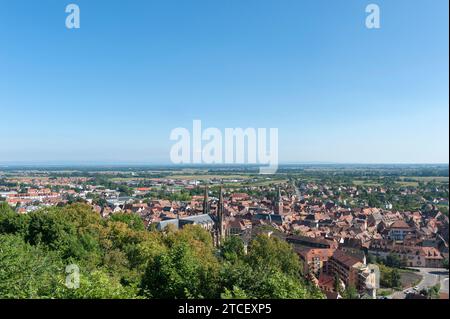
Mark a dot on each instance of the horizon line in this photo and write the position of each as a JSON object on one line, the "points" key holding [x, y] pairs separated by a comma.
{"points": [[136, 163]]}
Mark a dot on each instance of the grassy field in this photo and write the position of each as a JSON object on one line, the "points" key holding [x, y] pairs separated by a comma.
{"points": [[206, 176], [426, 179], [369, 183], [408, 184], [406, 181], [127, 179]]}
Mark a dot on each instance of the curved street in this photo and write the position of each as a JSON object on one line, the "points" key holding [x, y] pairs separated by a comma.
{"points": [[430, 277]]}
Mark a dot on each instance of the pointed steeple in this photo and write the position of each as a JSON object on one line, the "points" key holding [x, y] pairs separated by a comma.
{"points": [[279, 203], [221, 195], [220, 218], [205, 201], [220, 204]]}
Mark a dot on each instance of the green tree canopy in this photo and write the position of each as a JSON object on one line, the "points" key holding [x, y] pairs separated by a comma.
{"points": [[118, 258], [272, 253], [132, 220], [26, 271]]}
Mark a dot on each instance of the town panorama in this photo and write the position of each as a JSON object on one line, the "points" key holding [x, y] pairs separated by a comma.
{"points": [[224, 158], [309, 231]]}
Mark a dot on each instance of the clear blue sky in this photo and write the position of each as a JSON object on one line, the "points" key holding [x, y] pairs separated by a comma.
{"points": [[114, 89]]}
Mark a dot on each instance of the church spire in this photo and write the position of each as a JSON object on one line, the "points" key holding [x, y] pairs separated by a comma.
{"points": [[220, 218], [205, 200], [279, 203], [220, 205]]}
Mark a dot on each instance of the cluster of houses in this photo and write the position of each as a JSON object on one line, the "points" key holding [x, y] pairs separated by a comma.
{"points": [[332, 239], [27, 194]]}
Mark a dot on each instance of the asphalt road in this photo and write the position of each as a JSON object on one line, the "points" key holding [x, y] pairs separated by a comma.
{"points": [[430, 277], [444, 285]]}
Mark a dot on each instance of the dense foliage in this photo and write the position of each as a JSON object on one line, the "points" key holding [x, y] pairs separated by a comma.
{"points": [[389, 277], [119, 258]]}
